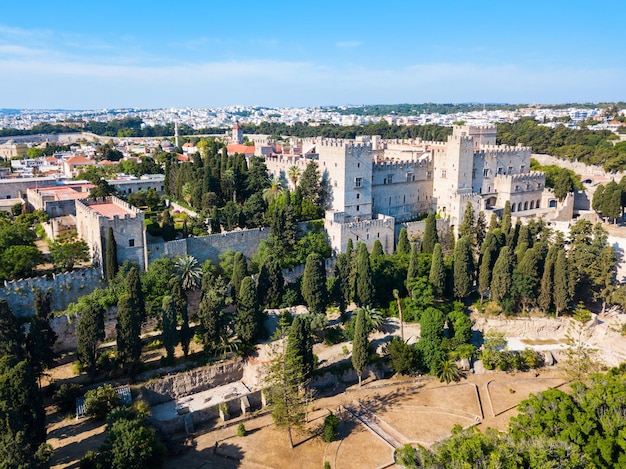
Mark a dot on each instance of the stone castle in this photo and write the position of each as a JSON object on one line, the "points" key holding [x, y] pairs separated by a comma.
{"points": [[374, 183]]}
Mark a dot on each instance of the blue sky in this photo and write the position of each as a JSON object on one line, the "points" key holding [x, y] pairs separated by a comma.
{"points": [[88, 55]]}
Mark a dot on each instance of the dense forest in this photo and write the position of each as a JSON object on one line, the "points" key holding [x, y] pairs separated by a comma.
{"points": [[584, 145]]}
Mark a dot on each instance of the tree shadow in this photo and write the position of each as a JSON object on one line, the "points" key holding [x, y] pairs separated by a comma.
{"points": [[477, 338], [230, 452]]}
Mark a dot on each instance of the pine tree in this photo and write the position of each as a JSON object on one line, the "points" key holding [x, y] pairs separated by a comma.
{"points": [[89, 335], [437, 276], [248, 320], [111, 265], [314, 284], [128, 332], [463, 268], [180, 302], [169, 336], [271, 283], [561, 296], [404, 247], [364, 294], [300, 344], [547, 281], [430, 237], [502, 277], [240, 270], [285, 380], [467, 226], [360, 345]]}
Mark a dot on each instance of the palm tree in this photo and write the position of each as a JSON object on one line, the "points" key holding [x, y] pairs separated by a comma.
{"points": [[274, 190], [396, 295], [189, 271], [373, 317], [228, 345], [448, 372], [293, 173]]}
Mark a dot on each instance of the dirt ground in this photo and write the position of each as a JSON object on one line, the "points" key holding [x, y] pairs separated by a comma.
{"points": [[423, 410]]}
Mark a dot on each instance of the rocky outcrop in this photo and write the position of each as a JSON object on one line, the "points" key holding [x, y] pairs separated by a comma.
{"points": [[176, 386]]}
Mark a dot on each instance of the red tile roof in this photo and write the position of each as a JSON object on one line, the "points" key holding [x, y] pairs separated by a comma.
{"points": [[240, 148]]}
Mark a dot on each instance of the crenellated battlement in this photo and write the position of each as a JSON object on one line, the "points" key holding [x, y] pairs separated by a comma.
{"points": [[533, 176], [388, 165], [343, 143], [365, 224], [502, 149]]}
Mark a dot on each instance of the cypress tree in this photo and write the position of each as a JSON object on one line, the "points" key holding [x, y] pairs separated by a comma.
{"points": [[404, 247], [314, 284], [493, 222], [216, 227], [467, 226], [41, 337], [270, 284], [300, 344], [169, 336], [430, 237], [561, 296], [489, 255], [505, 226], [342, 290], [89, 335], [360, 344], [412, 271], [437, 276], [463, 268], [480, 230], [211, 311], [247, 322], [128, 332], [547, 281], [240, 270], [180, 302], [364, 294], [502, 277], [167, 227], [432, 322], [377, 251], [111, 265], [11, 336], [135, 292]]}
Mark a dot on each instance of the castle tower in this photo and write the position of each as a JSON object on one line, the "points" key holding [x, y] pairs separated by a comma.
{"points": [[237, 136], [347, 166]]}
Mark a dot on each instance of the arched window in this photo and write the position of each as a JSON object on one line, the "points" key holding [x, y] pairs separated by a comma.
{"points": [[512, 207], [537, 204], [532, 204], [526, 205], [552, 203]]}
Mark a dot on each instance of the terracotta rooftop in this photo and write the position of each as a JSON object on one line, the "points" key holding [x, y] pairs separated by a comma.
{"points": [[75, 191], [79, 160], [109, 210], [240, 148]]}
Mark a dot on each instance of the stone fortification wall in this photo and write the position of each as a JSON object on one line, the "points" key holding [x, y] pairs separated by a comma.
{"points": [[211, 246], [65, 288], [415, 229], [180, 385]]}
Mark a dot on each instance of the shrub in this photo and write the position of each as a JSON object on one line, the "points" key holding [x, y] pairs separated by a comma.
{"points": [[326, 465], [100, 401], [65, 397], [333, 335], [331, 422], [77, 367], [155, 344], [241, 430]]}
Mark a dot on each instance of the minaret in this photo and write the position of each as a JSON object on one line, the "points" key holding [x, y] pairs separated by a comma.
{"points": [[176, 134]]}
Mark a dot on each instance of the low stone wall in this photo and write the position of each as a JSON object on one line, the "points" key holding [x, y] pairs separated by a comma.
{"points": [[177, 424], [65, 288], [330, 379], [180, 385]]}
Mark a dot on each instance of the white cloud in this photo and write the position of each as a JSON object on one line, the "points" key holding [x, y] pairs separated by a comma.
{"points": [[348, 44]]}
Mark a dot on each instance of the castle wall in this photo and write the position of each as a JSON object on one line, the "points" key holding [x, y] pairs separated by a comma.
{"points": [[66, 288], [15, 188], [130, 186], [366, 231], [402, 189], [523, 191], [211, 246]]}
